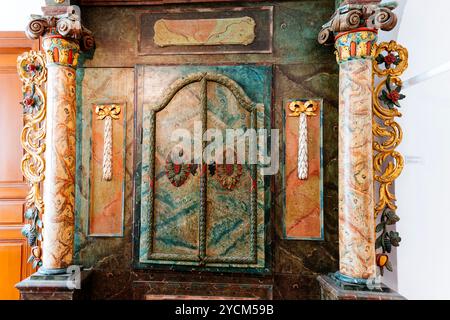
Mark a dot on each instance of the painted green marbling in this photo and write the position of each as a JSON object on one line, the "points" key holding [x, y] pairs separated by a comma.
{"points": [[170, 235]]}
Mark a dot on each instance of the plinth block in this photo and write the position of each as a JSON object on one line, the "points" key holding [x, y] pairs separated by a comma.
{"points": [[55, 287], [333, 289]]}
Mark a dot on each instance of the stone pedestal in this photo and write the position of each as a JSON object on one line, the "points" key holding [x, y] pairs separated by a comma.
{"points": [[333, 289], [55, 287]]}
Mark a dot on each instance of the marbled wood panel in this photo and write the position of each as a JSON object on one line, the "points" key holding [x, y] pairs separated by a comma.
{"points": [[356, 214], [228, 210], [303, 213], [180, 222], [59, 183], [102, 86], [106, 197], [176, 209], [309, 258], [294, 39]]}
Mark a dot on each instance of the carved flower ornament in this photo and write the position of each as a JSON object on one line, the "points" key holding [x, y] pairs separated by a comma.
{"points": [[177, 173]]}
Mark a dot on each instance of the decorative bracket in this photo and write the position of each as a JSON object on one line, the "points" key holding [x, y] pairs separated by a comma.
{"points": [[107, 113], [302, 109]]}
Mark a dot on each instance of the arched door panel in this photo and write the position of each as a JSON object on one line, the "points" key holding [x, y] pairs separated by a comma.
{"points": [[206, 213]]}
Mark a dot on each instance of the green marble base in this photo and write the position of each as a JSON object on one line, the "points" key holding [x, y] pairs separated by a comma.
{"points": [[69, 286], [331, 288]]}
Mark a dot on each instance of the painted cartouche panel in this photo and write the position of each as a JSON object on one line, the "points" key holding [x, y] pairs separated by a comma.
{"points": [[303, 216], [205, 30], [106, 196], [197, 215]]}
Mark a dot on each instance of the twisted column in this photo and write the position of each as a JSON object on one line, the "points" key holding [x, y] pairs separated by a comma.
{"points": [[62, 37], [353, 29]]}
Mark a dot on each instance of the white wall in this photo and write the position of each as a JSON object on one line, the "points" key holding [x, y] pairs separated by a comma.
{"points": [[14, 14], [423, 192]]}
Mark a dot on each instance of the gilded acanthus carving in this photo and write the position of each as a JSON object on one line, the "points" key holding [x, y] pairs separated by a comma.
{"points": [[391, 61], [353, 16], [67, 25], [33, 74]]}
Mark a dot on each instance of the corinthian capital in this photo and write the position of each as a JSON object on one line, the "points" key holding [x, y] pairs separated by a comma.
{"points": [[67, 25], [355, 14]]}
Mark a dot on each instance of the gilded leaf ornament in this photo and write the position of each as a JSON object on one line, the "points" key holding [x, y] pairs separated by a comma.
{"points": [[32, 72], [391, 60]]}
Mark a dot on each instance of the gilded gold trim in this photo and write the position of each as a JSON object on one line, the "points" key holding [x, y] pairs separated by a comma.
{"points": [[388, 163], [32, 72]]}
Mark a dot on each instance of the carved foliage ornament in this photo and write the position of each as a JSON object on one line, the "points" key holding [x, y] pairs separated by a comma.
{"points": [[353, 16], [390, 63], [33, 74]]}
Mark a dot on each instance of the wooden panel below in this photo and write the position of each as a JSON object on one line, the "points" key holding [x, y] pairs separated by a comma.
{"points": [[10, 271], [12, 212], [163, 290]]}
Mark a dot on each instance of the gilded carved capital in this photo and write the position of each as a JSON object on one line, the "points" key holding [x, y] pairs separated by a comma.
{"points": [[66, 26], [358, 14]]}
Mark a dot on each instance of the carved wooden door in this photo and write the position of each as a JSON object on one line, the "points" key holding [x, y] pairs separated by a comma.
{"points": [[201, 213]]}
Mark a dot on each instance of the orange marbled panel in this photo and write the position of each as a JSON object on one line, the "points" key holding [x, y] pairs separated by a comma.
{"points": [[303, 217], [106, 197], [59, 183], [356, 199]]}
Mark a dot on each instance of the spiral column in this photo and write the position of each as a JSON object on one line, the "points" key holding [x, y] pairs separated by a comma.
{"points": [[353, 30], [63, 37]]}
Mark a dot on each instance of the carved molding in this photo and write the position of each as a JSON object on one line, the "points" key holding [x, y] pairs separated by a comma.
{"points": [[352, 16]]}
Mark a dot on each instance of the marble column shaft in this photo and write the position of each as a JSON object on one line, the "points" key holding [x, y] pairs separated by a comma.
{"points": [[356, 197], [59, 183]]}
